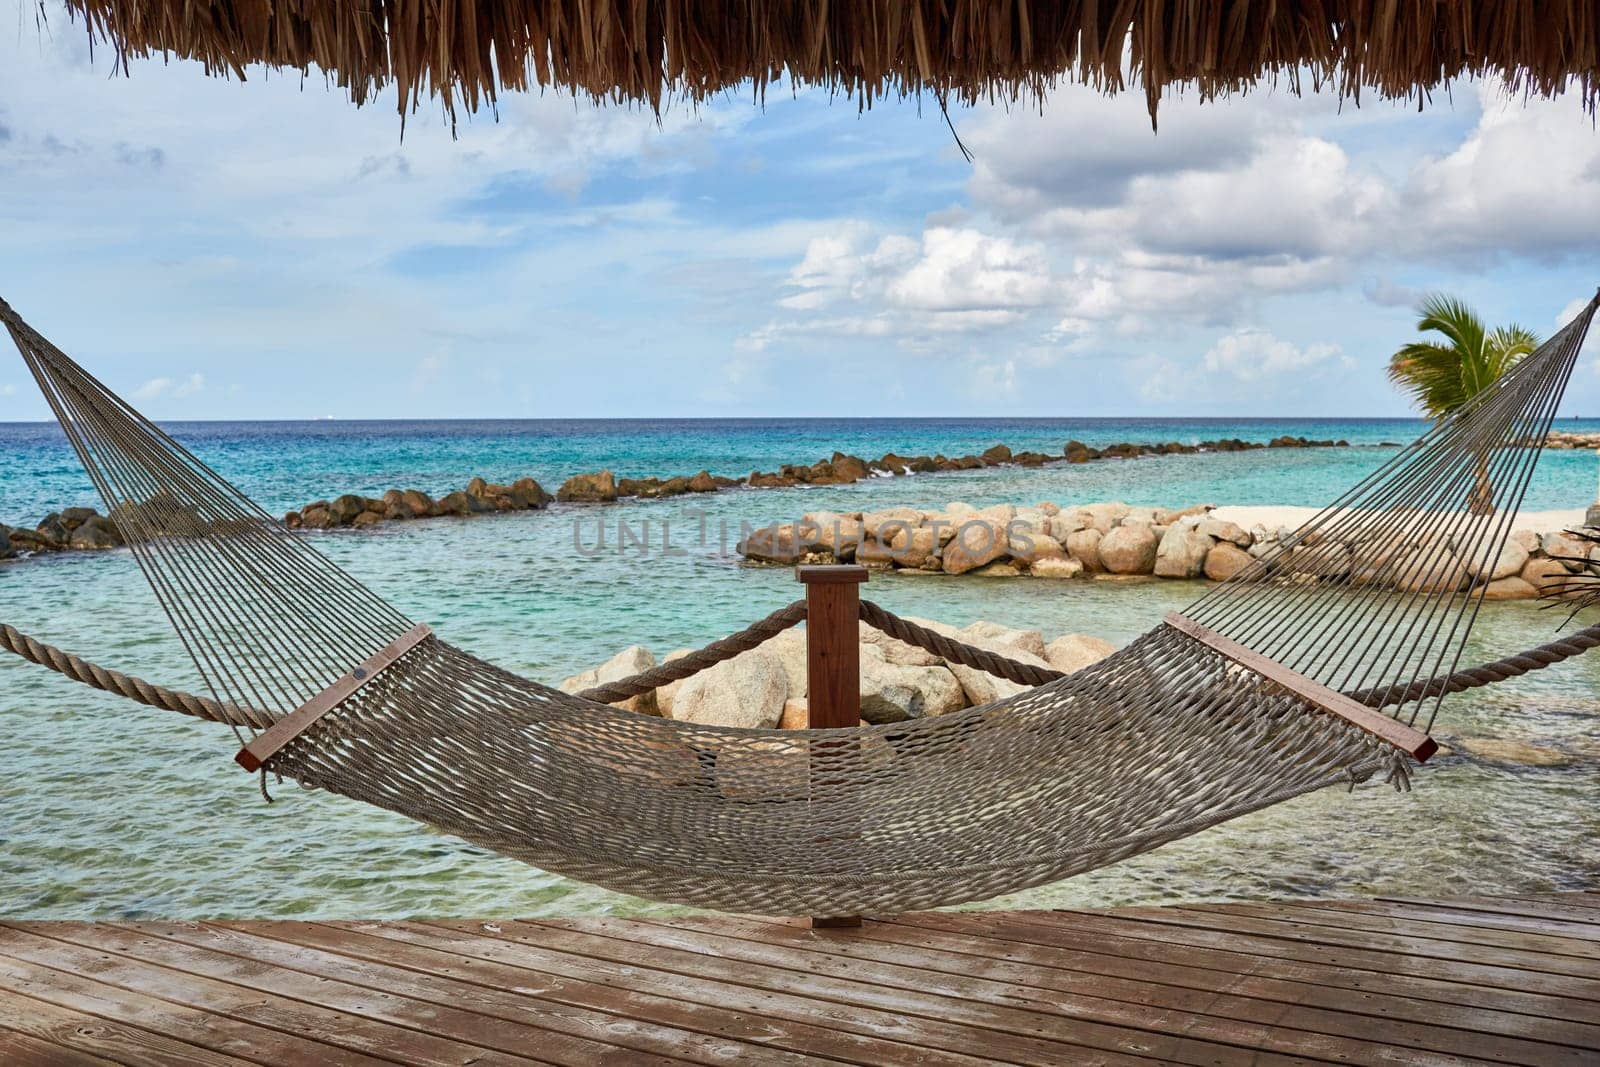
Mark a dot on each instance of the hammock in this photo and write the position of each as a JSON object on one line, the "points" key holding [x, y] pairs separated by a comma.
{"points": [[1260, 691]]}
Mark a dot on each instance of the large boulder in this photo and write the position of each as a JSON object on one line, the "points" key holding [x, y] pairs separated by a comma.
{"points": [[529, 494], [1568, 548], [849, 468], [1084, 546], [1509, 588], [1223, 530], [747, 691], [1547, 576], [789, 649], [882, 525], [462, 504], [796, 714], [915, 549], [666, 693], [1225, 560], [981, 687], [898, 652], [999, 515], [838, 533], [1530, 541], [1031, 641], [625, 664], [976, 542], [787, 544], [420, 503], [1324, 560], [1074, 652], [994, 456], [1128, 550], [597, 488], [344, 509], [1429, 570], [1182, 553], [315, 516], [1492, 566], [1030, 543], [1102, 517], [53, 531], [892, 692], [31, 541], [96, 533], [396, 508], [1063, 567]]}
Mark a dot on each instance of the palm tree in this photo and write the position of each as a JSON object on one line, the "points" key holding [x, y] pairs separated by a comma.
{"points": [[1443, 377]]}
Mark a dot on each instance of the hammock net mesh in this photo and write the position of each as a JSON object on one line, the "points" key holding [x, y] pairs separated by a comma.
{"points": [[1169, 735]]}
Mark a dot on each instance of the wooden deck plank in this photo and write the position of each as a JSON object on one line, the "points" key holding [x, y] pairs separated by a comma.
{"points": [[1090, 999], [1505, 919], [1412, 925], [69, 989], [1289, 926], [1583, 911], [703, 979], [514, 1021], [1248, 996], [1012, 936], [495, 987], [72, 1033], [1224, 1011], [22, 1050], [1073, 1022], [329, 1009], [1389, 981], [1368, 959]]}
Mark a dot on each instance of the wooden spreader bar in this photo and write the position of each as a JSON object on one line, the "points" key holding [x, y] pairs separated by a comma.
{"points": [[257, 752], [1413, 742]]}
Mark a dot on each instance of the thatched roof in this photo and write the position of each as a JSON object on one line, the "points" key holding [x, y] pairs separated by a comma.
{"points": [[467, 52]]}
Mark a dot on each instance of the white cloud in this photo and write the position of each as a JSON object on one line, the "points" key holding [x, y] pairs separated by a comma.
{"points": [[949, 280], [968, 272], [1526, 181], [178, 390], [151, 389], [1249, 355]]}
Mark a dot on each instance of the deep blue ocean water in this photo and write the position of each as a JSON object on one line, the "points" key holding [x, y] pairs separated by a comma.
{"points": [[110, 809]]}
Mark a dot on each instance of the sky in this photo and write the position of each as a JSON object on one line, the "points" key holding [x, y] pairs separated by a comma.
{"points": [[218, 250]]}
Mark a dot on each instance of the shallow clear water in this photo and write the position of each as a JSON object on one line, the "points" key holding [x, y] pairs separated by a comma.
{"points": [[109, 809]]}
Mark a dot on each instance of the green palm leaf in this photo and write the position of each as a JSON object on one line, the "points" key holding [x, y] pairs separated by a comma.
{"points": [[1442, 376]]}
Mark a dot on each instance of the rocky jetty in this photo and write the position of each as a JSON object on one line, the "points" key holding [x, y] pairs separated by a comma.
{"points": [[70, 530], [766, 687], [1115, 541], [1564, 440], [604, 487], [401, 505]]}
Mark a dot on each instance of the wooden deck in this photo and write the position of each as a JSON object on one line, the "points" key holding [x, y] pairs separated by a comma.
{"points": [[1507, 980]]}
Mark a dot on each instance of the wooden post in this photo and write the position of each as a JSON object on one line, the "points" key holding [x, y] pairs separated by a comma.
{"points": [[833, 661]]}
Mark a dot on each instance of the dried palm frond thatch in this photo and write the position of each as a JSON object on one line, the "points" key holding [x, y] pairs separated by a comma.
{"points": [[466, 52]]}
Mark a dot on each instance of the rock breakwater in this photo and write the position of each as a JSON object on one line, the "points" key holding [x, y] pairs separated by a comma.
{"points": [[1117, 541], [604, 487], [766, 687]]}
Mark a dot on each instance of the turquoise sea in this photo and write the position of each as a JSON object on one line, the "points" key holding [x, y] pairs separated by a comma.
{"points": [[109, 809]]}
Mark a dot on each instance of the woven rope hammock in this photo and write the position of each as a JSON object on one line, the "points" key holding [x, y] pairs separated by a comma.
{"points": [[1262, 690]]}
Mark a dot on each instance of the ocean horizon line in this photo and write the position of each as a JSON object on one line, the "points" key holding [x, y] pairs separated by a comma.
{"points": [[1042, 420]]}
